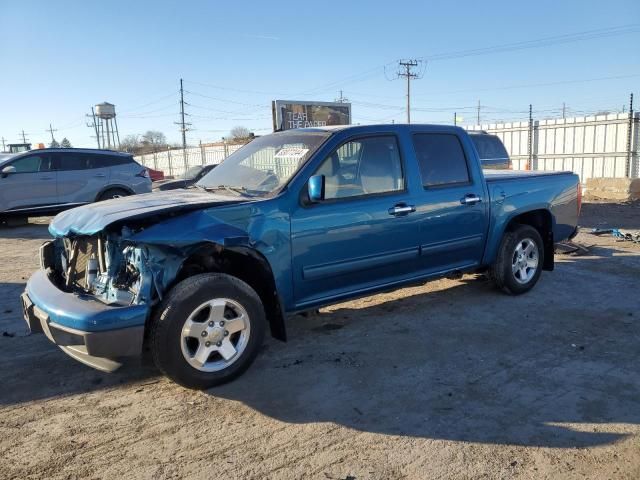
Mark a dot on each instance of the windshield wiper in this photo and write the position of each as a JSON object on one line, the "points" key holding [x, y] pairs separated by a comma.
{"points": [[236, 190]]}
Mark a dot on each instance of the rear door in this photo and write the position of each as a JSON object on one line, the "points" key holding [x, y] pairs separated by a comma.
{"points": [[453, 209], [33, 184], [81, 176]]}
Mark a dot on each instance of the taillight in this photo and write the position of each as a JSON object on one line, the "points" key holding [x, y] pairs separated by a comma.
{"points": [[144, 173], [579, 188]]}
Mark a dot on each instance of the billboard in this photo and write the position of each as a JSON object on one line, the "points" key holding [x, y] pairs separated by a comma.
{"points": [[290, 114]]}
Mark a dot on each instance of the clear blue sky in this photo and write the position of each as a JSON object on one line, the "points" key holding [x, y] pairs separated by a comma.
{"points": [[60, 58]]}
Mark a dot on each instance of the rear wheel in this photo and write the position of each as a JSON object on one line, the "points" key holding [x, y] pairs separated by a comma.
{"points": [[113, 193], [519, 262], [208, 330]]}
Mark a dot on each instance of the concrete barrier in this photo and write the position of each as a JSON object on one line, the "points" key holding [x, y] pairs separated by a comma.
{"points": [[621, 189]]}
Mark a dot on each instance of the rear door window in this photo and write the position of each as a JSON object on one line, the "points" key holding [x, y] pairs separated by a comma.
{"points": [[68, 161], [441, 159]]}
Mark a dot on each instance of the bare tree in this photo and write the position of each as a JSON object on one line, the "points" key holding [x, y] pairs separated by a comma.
{"points": [[130, 144], [240, 133], [155, 140]]}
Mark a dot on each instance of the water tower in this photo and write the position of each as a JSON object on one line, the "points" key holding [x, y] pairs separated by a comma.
{"points": [[106, 125]]}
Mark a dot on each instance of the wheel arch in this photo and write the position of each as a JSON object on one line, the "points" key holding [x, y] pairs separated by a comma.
{"points": [[542, 220], [248, 265], [115, 186]]}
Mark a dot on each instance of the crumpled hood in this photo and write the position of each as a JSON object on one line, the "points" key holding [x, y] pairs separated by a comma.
{"points": [[92, 218]]}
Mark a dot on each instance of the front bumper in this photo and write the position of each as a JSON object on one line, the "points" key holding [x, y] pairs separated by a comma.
{"points": [[93, 333]]}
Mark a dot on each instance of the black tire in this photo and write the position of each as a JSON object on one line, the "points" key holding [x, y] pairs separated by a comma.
{"points": [[184, 299], [501, 272], [112, 193]]}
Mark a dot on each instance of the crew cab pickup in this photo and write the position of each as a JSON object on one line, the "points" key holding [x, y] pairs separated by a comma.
{"points": [[291, 222]]}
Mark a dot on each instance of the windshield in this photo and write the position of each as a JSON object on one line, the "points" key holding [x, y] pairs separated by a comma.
{"points": [[192, 173], [264, 165], [489, 147]]}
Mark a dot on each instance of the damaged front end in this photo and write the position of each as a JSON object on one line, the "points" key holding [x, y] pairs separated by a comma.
{"points": [[94, 293], [110, 267]]}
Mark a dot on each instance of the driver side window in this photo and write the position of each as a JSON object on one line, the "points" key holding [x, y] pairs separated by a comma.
{"points": [[361, 167], [31, 164]]}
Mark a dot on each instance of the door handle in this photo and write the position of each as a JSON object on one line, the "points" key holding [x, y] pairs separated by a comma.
{"points": [[100, 175], [402, 209], [46, 178], [470, 199]]}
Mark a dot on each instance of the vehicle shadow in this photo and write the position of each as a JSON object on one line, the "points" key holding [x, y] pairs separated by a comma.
{"points": [[32, 368], [455, 360], [28, 231], [463, 363]]}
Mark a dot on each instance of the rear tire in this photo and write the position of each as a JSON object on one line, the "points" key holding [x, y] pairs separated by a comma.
{"points": [[112, 193], [207, 331], [519, 261]]}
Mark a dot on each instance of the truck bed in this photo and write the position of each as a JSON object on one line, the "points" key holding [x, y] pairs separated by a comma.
{"points": [[500, 175]]}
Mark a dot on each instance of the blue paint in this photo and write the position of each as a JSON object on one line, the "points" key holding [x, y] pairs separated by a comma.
{"points": [[325, 251]]}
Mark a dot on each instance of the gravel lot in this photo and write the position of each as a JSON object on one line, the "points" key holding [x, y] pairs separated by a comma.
{"points": [[447, 379]]}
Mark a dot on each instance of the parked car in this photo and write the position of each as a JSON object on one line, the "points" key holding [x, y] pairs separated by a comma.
{"points": [[291, 222], [190, 177], [491, 150], [155, 175], [50, 180]]}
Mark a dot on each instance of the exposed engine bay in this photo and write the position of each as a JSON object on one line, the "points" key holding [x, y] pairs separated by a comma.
{"points": [[111, 268]]}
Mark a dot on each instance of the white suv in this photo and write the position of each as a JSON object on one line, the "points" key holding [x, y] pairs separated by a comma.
{"points": [[50, 180]]}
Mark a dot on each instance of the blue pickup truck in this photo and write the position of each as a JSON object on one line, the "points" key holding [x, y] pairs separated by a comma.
{"points": [[291, 222]]}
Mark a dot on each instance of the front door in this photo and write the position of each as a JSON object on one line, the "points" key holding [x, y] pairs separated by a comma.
{"points": [[364, 233], [31, 183]]}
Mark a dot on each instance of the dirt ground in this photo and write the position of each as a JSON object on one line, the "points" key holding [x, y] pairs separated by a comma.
{"points": [[446, 380]]}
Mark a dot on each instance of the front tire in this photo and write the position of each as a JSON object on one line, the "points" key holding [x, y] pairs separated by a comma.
{"points": [[207, 330], [519, 261]]}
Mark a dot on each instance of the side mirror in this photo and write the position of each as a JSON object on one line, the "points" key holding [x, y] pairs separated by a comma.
{"points": [[6, 171], [316, 188]]}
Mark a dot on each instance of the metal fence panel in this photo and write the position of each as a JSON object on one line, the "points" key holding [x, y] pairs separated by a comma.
{"points": [[591, 146]]}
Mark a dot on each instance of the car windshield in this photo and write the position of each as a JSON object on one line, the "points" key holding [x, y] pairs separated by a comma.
{"points": [[192, 173], [264, 165], [489, 147]]}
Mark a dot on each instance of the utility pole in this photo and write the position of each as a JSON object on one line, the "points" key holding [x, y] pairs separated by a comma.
{"points": [[95, 125], [629, 138], [341, 98], [183, 128], [478, 114], [51, 130], [183, 125], [3, 140], [24, 138], [405, 70], [564, 110]]}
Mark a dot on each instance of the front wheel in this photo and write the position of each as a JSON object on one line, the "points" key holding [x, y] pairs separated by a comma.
{"points": [[208, 330], [519, 262]]}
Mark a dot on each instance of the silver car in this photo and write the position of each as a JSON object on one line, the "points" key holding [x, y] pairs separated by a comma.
{"points": [[53, 179]]}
